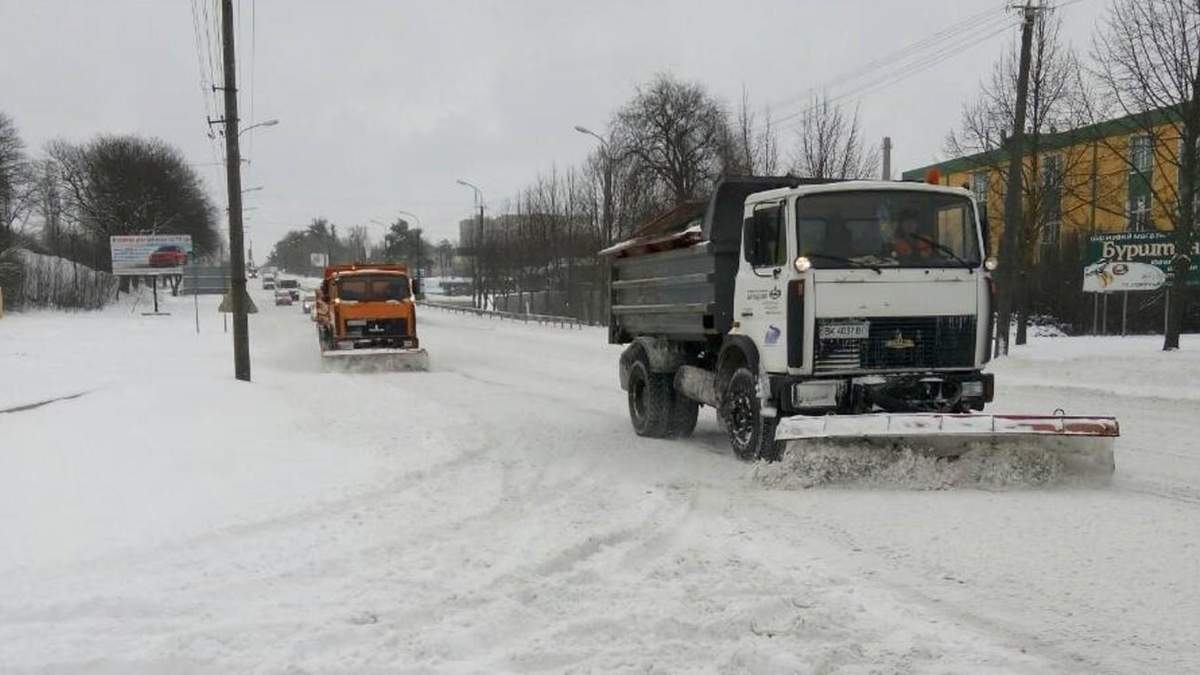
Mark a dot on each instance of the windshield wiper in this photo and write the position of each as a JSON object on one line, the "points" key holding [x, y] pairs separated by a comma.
{"points": [[943, 248], [851, 261]]}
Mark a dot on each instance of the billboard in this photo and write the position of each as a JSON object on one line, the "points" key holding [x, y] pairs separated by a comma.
{"points": [[318, 259], [1134, 261], [150, 253]]}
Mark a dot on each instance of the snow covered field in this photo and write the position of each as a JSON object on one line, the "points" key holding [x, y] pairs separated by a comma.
{"points": [[498, 515]]}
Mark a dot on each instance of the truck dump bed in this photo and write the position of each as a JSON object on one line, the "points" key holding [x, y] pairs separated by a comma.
{"points": [[675, 277]]}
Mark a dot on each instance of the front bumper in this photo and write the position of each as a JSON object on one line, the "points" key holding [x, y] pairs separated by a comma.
{"points": [[895, 392]]}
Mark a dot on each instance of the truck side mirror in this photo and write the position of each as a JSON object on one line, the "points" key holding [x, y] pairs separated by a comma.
{"points": [[416, 286]]}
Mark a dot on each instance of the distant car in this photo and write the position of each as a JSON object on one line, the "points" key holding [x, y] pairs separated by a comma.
{"points": [[253, 273], [268, 283], [291, 285], [306, 305], [282, 297], [168, 256]]}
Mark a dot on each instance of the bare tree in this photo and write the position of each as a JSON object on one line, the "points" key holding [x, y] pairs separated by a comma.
{"points": [[754, 145], [16, 185], [1057, 100], [676, 133], [358, 243], [829, 144], [1148, 56]]}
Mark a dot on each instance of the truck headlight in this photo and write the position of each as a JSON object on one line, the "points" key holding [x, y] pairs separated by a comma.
{"points": [[972, 389]]}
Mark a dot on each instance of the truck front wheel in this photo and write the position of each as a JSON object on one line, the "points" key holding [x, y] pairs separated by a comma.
{"points": [[751, 435]]}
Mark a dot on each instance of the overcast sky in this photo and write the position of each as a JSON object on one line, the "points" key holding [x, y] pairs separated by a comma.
{"points": [[384, 104]]}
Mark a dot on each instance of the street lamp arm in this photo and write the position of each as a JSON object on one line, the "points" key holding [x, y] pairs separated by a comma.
{"points": [[268, 123], [411, 215], [589, 132], [478, 192]]}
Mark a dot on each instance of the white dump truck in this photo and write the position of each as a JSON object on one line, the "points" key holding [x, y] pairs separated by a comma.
{"points": [[801, 309]]}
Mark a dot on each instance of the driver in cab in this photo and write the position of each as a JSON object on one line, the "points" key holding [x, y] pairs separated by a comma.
{"points": [[908, 244]]}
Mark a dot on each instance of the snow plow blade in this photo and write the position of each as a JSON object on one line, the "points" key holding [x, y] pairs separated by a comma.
{"points": [[1084, 445], [375, 360]]}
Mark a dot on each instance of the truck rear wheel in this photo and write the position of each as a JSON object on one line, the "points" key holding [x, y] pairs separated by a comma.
{"points": [[751, 435], [684, 413], [651, 399]]}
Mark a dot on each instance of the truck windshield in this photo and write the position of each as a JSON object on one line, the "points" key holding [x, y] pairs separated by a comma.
{"points": [[887, 228], [373, 288]]}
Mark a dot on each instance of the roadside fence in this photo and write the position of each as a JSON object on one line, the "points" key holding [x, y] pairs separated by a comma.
{"points": [[561, 321]]}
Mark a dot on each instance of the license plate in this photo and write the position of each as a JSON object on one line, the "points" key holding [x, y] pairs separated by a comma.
{"points": [[846, 331]]}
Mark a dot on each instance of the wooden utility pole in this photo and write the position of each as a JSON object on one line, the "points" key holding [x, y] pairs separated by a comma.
{"points": [[1013, 212], [233, 175]]}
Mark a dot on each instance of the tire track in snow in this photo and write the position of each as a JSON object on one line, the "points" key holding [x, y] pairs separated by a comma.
{"points": [[39, 404]]}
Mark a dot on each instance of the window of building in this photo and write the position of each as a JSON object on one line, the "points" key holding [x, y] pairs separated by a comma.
{"points": [[1141, 153], [979, 187], [1179, 181], [1052, 188], [1141, 175]]}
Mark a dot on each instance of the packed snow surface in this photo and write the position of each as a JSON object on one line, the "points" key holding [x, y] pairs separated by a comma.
{"points": [[497, 514]]}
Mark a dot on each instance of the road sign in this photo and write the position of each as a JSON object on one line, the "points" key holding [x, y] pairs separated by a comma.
{"points": [[205, 280], [318, 259], [227, 305]]}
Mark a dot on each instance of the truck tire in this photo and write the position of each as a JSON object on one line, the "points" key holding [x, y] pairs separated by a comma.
{"points": [[751, 435], [651, 400], [684, 413]]}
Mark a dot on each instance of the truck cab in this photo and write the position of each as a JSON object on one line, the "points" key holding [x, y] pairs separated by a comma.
{"points": [[864, 295], [366, 306]]}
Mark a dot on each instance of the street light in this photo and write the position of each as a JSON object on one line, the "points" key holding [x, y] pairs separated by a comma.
{"points": [[475, 290], [607, 187], [268, 123]]}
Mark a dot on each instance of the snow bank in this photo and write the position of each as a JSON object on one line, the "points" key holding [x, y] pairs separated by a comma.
{"points": [[813, 464], [50, 281]]}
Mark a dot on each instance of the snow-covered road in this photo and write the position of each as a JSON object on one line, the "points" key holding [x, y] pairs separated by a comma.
{"points": [[498, 515]]}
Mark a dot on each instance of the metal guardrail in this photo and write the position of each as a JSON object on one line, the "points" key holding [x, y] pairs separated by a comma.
{"points": [[562, 321]]}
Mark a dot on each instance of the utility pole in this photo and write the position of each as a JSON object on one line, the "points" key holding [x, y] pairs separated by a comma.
{"points": [[887, 157], [233, 174], [1013, 212], [475, 259]]}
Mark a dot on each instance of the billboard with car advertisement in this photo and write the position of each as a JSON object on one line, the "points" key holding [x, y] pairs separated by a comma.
{"points": [[1134, 261], [150, 253]]}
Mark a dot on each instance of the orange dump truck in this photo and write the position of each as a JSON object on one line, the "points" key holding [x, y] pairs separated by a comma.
{"points": [[366, 316]]}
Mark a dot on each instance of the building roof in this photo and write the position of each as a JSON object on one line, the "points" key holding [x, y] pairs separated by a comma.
{"points": [[1053, 141]]}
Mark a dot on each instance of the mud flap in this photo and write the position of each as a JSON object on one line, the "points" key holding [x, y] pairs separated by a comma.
{"points": [[1084, 445]]}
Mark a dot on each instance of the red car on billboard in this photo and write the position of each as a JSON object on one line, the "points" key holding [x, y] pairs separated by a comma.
{"points": [[168, 256]]}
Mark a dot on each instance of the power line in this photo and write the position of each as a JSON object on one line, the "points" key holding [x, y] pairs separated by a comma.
{"points": [[911, 67], [889, 60]]}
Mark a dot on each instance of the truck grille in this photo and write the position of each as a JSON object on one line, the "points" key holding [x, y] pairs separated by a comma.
{"points": [[377, 328], [899, 343]]}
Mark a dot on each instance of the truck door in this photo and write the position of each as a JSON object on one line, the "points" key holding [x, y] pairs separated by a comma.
{"points": [[759, 305]]}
